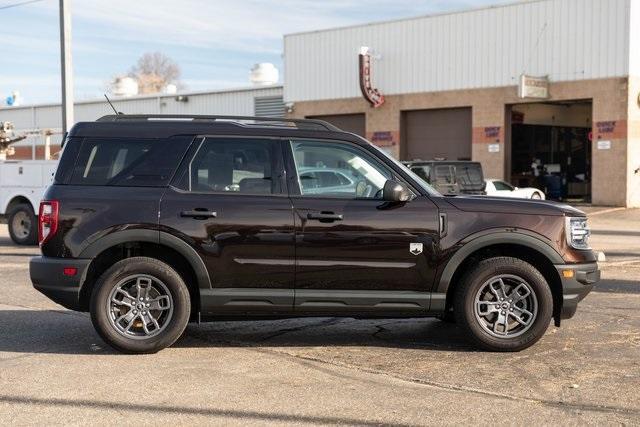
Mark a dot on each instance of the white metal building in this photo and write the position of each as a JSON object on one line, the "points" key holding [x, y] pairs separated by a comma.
{"points": [[450, 88], [251, 101]]}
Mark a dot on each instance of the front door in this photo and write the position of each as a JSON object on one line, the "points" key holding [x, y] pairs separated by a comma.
{"points": [[355, 252], [229, 202]]}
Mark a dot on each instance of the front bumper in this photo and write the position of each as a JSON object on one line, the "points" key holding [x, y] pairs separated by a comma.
{"points": [[47, 276], [577, 281]]}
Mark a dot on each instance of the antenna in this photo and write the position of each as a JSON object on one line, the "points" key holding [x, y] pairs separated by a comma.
{"points": [[114, 108]]}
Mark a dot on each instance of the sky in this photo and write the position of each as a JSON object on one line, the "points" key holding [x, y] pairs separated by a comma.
{"points": [[215, 42]]}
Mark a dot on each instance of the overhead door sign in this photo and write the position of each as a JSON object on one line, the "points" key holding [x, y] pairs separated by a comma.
{"points": [[371, 94], [533, 87]]}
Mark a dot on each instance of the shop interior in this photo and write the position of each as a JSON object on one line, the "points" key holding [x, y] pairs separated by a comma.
{"points": [[550, 148]]}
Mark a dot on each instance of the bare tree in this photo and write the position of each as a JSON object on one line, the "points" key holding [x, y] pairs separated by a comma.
{"points": [[154, 71]]}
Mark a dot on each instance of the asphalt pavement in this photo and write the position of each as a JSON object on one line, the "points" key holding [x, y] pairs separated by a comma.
{"points": [[54, 369]]}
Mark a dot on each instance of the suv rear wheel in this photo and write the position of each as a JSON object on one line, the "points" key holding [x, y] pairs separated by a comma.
{"points": [[140, 305], [23, 224], [503, 304]]}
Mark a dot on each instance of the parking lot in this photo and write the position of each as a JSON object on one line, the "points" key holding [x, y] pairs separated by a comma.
{"points": [[54, 369]]}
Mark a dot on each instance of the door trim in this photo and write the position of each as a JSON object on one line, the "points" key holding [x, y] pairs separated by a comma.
{"points": [[260, 301], [358, 301], [246, 300]]}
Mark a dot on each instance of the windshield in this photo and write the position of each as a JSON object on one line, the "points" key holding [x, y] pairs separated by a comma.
{"points": [[421, 182]]}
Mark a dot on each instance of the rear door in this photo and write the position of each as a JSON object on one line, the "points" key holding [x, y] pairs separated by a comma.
{"points": [[229, 202]]}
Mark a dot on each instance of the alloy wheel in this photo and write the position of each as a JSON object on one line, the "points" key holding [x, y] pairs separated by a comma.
{"points": [[140, 307], [506, 306]]}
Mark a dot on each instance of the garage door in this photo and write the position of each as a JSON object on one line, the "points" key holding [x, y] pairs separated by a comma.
{"points": [[430, 134], [353, 123]]}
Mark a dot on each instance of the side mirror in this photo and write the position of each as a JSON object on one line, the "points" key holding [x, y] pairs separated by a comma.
{"points": [[393, 191]]}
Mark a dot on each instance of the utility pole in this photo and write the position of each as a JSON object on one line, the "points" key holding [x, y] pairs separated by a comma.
{"points": [[66, 71]]}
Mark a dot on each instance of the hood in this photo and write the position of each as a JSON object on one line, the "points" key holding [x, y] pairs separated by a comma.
{"points": [[514, 206]]}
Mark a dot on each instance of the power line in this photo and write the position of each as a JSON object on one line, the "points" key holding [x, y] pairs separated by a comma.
{"points": [[19, 4]]}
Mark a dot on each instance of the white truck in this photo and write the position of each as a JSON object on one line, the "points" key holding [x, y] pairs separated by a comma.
{"points": [[22, 185]]}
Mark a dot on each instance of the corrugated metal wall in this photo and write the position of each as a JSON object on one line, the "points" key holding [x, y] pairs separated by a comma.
{"points": [[233, 102], [491, 47], [634, 39]]}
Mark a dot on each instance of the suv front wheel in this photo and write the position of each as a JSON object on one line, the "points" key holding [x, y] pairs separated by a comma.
{"points": [[503, 304], [140, 305]]}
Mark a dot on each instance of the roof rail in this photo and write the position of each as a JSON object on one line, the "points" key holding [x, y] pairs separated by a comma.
{"points": [[310, 124]]}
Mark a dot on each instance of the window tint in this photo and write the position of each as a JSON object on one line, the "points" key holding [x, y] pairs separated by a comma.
{"points": [[338, 170], [501, 185], [421, 171], [444, 174], [231, 165], [128, 162], [469, 174]]}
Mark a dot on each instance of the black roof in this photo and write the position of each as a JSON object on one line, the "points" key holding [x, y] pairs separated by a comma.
{"points": [[239, 120], [164, 125]]}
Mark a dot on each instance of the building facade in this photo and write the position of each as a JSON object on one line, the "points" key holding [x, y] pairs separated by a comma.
{"points": [[452, 88], [263, 101]]}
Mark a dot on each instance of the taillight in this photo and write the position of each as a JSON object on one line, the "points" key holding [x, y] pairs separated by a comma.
{"points": [[47, 220]]}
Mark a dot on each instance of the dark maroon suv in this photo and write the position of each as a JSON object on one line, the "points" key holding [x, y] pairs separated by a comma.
{"points": [[155, 221]]}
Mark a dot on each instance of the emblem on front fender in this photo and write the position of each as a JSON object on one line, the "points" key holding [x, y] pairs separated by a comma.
{"points": [[415, 248]]}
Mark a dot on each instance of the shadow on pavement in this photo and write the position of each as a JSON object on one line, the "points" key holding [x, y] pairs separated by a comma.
{"points": [[184, 410], [66, 332], [417, 333]]}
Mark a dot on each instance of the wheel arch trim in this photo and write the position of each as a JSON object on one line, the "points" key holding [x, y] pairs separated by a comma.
{"points": [[16, 195], [152, 236], [487, 239]]}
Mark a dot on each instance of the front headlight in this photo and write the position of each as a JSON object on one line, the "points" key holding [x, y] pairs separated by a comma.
{"points": [[577, 232]]}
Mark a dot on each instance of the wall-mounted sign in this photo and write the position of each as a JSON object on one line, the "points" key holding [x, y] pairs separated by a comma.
{"points": [[533, 87], [604, 145], [494, 148], [371, 94], [382, 138], [492, 132], [606, 127]]}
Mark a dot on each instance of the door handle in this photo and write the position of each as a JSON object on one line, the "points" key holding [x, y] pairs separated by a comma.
{"points": [[199, 213], [324, 216]]}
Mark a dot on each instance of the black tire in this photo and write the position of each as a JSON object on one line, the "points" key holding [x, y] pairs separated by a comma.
{"points": [[536, 196], [476, 278], [100, 312], [26, 232]]}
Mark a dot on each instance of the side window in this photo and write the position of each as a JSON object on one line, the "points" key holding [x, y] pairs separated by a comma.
{"points": [[445, 174], [232, 166], [502, 186], [338, 170], [421, 171], [128, 161]]}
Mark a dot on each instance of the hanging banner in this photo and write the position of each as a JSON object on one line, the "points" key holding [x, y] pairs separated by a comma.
{"points": [[371, 94]]}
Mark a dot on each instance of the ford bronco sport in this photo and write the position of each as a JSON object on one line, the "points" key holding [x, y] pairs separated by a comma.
{"points": [[155, 221]]}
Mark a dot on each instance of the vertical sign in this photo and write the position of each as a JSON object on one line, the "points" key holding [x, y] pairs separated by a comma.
{"points": [[371, 94]]}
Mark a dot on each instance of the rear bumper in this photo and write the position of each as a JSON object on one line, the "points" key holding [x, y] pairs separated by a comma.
{"points": [[48, 277], [583, 278]]}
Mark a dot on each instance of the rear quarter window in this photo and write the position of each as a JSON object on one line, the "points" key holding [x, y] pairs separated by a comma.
{"points": [[128, 161]]}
